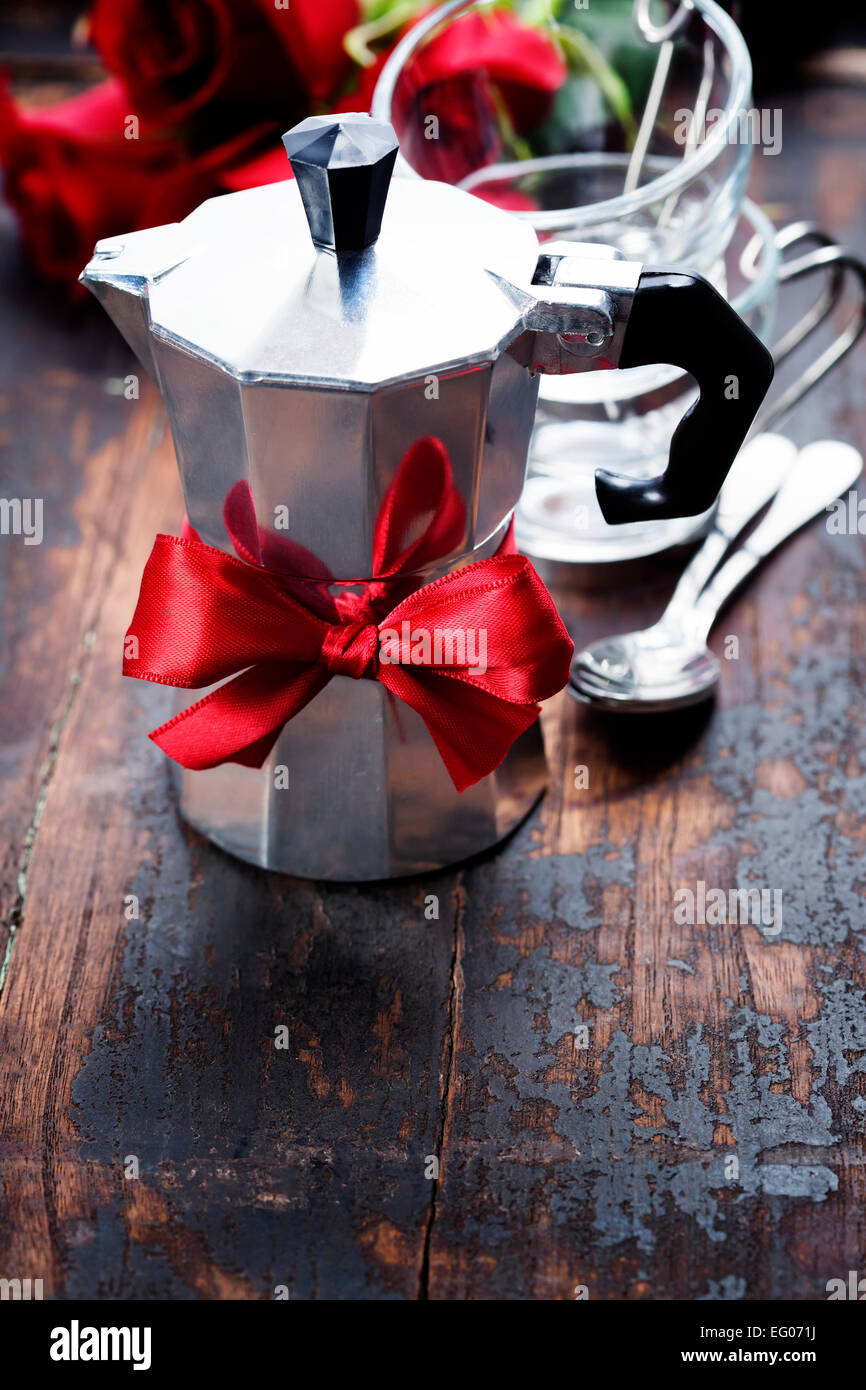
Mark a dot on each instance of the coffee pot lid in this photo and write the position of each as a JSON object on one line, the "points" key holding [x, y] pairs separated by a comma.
{"points": [[343, 276]]}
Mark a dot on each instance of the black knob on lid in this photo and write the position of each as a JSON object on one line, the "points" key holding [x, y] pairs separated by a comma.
{"points": [[343, 167]]}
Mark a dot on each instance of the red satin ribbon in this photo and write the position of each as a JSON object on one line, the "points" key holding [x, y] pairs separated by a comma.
{"points": [[204, 616], [421, 519]]}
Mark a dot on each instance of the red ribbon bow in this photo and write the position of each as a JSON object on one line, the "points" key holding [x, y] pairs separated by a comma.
{"points": [[204, 616]]}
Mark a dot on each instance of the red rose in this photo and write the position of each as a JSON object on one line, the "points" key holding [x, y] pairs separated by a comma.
{"points": [[502, 195], [172, 55], [178, 56], [72, 176], [358, 94], [271, 166], [525, 63], [482, 68], [311, 32], [453, 78]]}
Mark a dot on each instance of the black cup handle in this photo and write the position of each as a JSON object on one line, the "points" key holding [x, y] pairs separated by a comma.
{"points": [[681, 319]]}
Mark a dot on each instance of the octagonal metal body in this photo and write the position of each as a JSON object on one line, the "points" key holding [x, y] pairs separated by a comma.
{"points": [[297, 381]]}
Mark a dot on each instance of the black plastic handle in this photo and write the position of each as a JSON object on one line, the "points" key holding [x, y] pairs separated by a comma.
{"points": [[679, 318]]}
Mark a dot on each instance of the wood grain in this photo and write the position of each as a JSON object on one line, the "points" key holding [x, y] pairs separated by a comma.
{"points": [[583, 1069]]}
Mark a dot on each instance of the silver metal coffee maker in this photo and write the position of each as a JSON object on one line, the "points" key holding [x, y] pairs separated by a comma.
{"points": [[310, 339]]}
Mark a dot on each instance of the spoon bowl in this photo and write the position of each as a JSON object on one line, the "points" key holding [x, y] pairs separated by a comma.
{"points": [[669, 665], [647, 671]]}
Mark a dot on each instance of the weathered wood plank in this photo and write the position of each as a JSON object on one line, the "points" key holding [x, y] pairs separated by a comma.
{"points": [[151, 1037], [154, 1037], [79, 449], [704, 1042]]}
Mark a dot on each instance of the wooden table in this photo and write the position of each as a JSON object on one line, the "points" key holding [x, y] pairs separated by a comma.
{"points": [[615, 1102]]}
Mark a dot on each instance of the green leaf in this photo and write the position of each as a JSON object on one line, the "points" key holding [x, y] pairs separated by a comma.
{"points": [[583, 55]]}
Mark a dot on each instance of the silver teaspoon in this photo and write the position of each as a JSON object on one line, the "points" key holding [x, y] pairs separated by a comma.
{"points": [[618, 662], [669, 665]]}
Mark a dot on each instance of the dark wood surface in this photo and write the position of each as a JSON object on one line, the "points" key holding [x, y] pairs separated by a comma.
{"points": [[561, 1165]]}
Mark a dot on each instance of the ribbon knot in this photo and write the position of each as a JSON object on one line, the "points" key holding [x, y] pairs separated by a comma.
{"points": [[204, 617], [268, 633], [351, 649]]}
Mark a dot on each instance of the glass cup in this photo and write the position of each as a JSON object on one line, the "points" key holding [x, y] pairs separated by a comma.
{"points": [[628, 123], [600, 125], [590, 122]]}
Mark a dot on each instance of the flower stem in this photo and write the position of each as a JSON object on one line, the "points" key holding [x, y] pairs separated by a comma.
{"points": [[589, 57], [357, 42]]}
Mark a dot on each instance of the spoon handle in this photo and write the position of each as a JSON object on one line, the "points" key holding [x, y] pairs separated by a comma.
{"points": [[822, 471], [753, 480]]}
